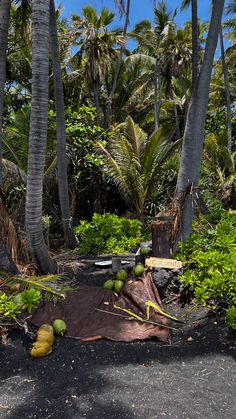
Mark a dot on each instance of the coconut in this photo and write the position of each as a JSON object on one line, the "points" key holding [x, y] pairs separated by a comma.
{"points": [[118, 285], [121, 275], [47, 327], [45, 336], [139, 269], [108, 285], [145, 250], [40, 349], [59, 326]]}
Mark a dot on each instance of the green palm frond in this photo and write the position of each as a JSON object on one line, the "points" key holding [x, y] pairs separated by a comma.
{"points": [[155, 141], [146, 60], [132, 161], [48, 284], [135, 136]]}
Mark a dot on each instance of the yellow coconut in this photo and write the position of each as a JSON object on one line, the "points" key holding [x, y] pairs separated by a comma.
{"points": [[40, 349], [45, 336]]}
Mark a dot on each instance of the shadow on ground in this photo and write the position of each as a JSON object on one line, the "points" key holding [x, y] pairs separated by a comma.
{"points": [[190, 379]]}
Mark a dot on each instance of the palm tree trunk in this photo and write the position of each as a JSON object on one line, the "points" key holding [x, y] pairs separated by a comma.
{"points": [[186, 193], [117, 69], [6, 264], [70, 238], [96, 103], [177, 128], [38, 136], [194, 45], [157, 94], [227, 93], [4, 24]]}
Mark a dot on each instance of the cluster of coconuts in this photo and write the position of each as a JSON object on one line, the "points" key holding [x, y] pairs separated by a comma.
{"points": [[118, 283], [45, 338]]}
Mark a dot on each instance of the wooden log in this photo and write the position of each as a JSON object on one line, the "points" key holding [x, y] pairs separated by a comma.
{"points": [[161, 236]]}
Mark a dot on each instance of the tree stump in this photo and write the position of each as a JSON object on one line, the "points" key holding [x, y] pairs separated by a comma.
{"points": [[161, 236]]}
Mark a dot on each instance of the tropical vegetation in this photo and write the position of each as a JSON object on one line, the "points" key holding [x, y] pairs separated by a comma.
{"points": [[102, 122]]}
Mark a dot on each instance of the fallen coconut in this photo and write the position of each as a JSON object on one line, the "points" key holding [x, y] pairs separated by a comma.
{"points": [[40, 349], [118, 285], [121, 275], [59, 327], [145, 250], [139, 269], [109, 284]]}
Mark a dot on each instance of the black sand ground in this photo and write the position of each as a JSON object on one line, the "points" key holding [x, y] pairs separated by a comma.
{"points": [[194, 377]]}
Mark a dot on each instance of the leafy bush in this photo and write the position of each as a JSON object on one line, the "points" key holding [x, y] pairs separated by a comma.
{"points": [[210, 254], [30, 299], [8, 308], [109, 233]]}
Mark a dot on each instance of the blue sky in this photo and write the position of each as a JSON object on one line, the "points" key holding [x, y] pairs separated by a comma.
{"points": [[140, 9]]}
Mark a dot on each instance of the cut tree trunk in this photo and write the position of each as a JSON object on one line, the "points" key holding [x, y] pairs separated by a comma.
{"points": [[161, 232], [69, 235]]}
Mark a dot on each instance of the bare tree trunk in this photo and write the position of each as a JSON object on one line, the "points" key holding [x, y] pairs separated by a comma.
{"points": [[195, 41], [38, 136], [6, 263], [97, 104], [4, 24], [69, 235], [177, 128], [186, 193], [227, 93], [117, 69], [157, 94]]}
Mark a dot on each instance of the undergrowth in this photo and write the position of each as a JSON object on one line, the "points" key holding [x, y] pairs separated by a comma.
{"points": [[108, 233], [210, 256]]}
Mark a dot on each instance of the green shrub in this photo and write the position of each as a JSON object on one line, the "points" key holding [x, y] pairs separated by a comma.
{"points": [[108, 233], [231, 316], [210, 255], [8, 308]]}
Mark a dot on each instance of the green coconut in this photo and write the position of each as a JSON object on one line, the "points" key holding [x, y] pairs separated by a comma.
{"points": [[118, 285], [139, 269], [109, 284], [145, 250], [59, 327], [121, 275]]}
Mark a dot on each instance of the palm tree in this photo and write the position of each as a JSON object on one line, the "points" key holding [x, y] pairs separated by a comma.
{"points": [[195, 40], [97, 46], [117, 67], [186, 193], [4, 24], [61, 132], [132, 161], [227, 92], [38, 136]]}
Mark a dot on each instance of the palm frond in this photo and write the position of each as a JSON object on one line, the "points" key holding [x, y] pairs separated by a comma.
{"points": [[48, 284]]}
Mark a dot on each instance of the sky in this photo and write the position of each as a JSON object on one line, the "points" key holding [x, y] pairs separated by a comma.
{"points": [[140, 9]]}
